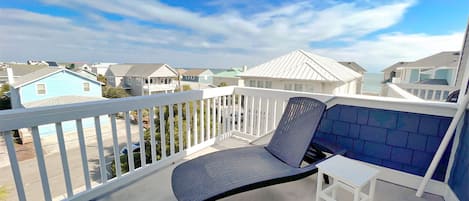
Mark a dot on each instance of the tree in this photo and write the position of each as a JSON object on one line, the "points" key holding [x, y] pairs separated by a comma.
{"points": [[5, 101], [5, 88], [102, 79], [223, 84], [186, 87], [114, 92]]}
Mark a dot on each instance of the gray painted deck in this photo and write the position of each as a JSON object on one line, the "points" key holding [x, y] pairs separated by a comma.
{"points": [[157, 186]]}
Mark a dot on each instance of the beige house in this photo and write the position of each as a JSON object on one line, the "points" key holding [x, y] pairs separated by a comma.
{"points": [[304, 71], [143, 79]]}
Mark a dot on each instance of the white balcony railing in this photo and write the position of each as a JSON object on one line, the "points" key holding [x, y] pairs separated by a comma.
{"points": [[183, 123], [429, 91], [159, 87]]}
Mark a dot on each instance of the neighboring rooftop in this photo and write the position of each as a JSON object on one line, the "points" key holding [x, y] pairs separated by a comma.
{"points": [[21, 69], [442, 59], [233, 72], [194, 72], [302, 65], [118, 70], [41, 73], [354, 66]]}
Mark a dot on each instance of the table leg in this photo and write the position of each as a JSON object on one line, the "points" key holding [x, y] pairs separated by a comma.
{"points": [[356, 194], [372, 189], [319, 185]]}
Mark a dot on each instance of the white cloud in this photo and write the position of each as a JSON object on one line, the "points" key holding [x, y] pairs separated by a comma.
{"points": [[391, 48], [221, 39]]}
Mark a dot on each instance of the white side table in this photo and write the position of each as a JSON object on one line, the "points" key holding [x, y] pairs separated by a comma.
{"points": [[347, 174]]}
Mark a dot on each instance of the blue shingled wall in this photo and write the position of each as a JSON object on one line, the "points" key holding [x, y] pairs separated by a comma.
{"points": [[398, 140], [459, 180]]}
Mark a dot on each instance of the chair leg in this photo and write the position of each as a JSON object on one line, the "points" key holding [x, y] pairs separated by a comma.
{"points": [[326, 179]]}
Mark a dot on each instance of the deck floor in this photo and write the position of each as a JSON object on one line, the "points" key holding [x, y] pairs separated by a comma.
{"points": [[157, 186]]}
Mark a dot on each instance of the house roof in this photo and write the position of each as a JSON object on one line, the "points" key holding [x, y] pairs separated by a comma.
{"points": [[194, 72], [44, 72], [21, 69], [354, 66], [145, 70], [119, 70], [446, 59], [234, 72], [302, 65], [61, 100]]}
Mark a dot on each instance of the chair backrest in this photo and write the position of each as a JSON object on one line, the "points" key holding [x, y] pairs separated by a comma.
{"points": [[296, 130]]}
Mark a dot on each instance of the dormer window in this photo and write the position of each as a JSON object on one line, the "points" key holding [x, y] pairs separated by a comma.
{"points": [[41, 89]]}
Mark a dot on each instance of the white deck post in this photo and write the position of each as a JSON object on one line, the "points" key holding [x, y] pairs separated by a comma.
{"points": [[444, 144]]}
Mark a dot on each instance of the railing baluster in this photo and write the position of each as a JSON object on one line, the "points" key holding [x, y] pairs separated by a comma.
{"points": [[207, 119], [180, 140], [219, 116], [266, 116], [162, 133], [63, 157], [14, 165], [188, 125], [130, 155], [232, 116], [143, 160], [239, 113], [259, 112], [225, 118], [41, 163], [99, 138], [252, 116], [214, 118], [274, 115], [171, 129], [84, 157], [152, 134], [245, 115], [195, 122], [115, 147], [202, 121]]}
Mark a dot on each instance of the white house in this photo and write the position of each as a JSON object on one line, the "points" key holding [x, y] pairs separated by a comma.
{"points": [[143, 79], [431, 78], [304, 71], [100, 68], [441, 66]]}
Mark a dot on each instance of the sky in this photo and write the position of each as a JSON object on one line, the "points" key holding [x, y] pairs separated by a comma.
{"points": [[229, 33]]}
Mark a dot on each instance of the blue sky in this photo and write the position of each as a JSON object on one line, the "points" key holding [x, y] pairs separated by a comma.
{"points": [[229, 33]]}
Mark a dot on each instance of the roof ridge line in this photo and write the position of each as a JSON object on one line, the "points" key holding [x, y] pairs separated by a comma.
{"points": [[318, 63]]}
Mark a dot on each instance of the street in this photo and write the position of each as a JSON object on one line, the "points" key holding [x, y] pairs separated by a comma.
{"points": [[30, 171]]}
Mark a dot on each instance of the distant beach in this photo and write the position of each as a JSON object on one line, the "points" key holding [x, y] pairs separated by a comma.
{"points": [[372, 83]]}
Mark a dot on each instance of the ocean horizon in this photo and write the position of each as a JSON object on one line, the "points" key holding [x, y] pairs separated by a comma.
{"points": [[372, 83]]}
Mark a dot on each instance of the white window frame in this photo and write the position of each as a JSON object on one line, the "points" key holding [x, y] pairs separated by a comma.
{"points": [[298, 87], [84, 86], [37, 89]]}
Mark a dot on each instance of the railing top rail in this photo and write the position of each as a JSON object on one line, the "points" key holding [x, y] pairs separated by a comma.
{"points": [[387, 103], [26, 118]]}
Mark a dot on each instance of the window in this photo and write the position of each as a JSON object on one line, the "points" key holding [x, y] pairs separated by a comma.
{"points": [[86, 86], [41, 89], [287, 86], [298, 87], [260, 83], [252, 83], [268, 84]]}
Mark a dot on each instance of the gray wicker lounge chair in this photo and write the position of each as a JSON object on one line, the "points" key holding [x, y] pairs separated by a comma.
{"points": [[228, 172]]}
